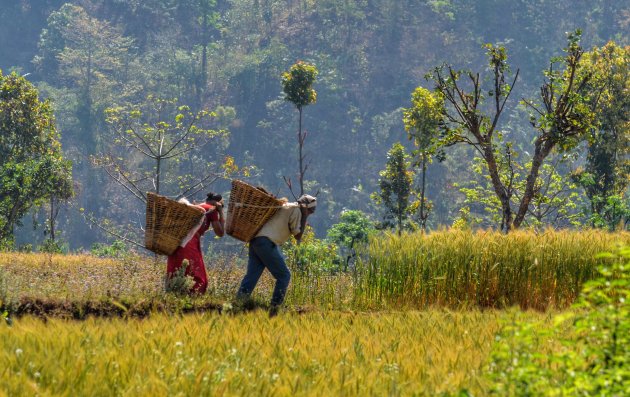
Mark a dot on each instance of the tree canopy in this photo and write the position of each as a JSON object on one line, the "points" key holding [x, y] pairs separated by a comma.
{"points": [[32, 167], [91, 55]]}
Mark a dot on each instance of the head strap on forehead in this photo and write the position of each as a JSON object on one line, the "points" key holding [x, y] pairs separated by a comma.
{"points": [[308, 201]]}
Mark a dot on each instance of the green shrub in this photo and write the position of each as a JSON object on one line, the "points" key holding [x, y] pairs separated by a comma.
{"points": [[6, 303], [52, 247], [179, 283], [587, 353], [312, 255], [117, 249], [353, 229]]}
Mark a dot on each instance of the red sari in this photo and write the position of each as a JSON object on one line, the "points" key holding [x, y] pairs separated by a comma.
{"points": [[192, 251]]}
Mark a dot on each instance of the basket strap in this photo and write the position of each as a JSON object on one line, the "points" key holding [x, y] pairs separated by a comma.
{"points": [[256, 206]]}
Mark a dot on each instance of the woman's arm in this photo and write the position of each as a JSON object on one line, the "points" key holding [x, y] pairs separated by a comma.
{"points": [[219, 225]]}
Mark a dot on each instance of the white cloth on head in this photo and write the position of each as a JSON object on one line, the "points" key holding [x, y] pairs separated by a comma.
{"points": [[308, 200]]}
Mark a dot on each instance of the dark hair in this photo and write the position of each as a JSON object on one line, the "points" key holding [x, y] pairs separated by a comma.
{"points": [[213, 196]]}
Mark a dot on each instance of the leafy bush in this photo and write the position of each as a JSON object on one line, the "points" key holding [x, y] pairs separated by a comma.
{"points": [[52, 247], [591, 352], [6, 303], [117, 249], [179, 283], [312, 255], [353, 229]]}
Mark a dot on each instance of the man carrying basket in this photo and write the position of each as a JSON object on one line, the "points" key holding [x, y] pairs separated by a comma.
{"points": [[264, 250]]}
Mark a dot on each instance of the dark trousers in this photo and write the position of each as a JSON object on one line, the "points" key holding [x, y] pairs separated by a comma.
{"points": [[264, 253]]}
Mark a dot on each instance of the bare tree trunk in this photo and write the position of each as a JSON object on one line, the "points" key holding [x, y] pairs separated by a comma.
{"points": [[541, 152], [423, 216], [157, 175], [300, 155], [499, 189], [204, 54], [52, 218]]}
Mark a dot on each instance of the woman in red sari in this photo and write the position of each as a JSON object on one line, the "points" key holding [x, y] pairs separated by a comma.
{"points": [[191, 251]]}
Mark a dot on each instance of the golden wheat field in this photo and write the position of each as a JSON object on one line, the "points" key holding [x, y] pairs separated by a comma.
{"points": [[418, 315], [318, 353]]}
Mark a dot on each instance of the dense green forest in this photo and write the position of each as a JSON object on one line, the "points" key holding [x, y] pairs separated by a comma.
{"points": [[108, 66]]}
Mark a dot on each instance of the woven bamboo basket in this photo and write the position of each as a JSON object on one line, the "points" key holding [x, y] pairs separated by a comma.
{"points": [[168, 222], [248, 210]]}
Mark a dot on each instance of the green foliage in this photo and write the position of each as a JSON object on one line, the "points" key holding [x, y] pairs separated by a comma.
{"points": [[606, 174], [88, 57], [592, 359], [52, 247], [612, 212], [32, 168], [564, 115], [353, 229], [297, 84], [312, 255], [208, 52], [556, 200], [423, 117], [422, 122], [395, 183], [179, 283], [163, 133], [562, 119], [117, 249]]}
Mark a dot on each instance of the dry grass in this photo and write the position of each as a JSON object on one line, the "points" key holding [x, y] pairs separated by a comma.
{"points": [[454, 269], [79, 285]]}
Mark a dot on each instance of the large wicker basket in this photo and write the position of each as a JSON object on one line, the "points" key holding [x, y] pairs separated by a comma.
{"points": [[168, 222], [248, 210]]}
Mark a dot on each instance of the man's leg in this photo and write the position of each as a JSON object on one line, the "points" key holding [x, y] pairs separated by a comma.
{"points": [[255, 268], [270, 254]]}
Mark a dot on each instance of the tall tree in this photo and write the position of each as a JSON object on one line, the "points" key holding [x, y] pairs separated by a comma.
{"points": [[32, 168], [209, 21], [354, 228], [297, 84], [395, 183], [93, 60], [156, 135], [422, 122], [607, 170], [561, 119], [150, 148]]}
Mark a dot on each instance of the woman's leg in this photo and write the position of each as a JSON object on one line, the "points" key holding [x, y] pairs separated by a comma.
{"points": [[174, 262], [197, 270]]}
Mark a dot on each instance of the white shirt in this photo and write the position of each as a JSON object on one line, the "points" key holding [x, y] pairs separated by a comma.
{"points": [[284, 223]]}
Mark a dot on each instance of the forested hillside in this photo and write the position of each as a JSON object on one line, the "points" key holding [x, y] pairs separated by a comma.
{"points": [[101, 61]]}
